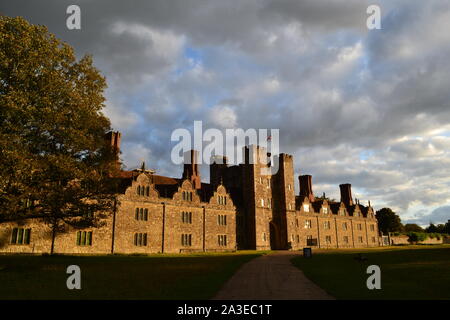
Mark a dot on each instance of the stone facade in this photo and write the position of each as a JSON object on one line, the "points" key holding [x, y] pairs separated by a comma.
{"points": [[243, 207]]}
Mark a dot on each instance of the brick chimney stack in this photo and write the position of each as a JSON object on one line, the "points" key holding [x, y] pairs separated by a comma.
{"points": [[217, 170], [190, 171], [306, 187], [113, 139], [346, 194]]}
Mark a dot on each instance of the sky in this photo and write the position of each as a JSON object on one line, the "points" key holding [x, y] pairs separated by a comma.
{"points": [[353, 105]]}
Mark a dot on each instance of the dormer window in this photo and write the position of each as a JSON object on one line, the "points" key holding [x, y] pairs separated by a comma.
{"points": [[222, 200], [187, 196], [142, 191], [325, 210], [306, 207]]}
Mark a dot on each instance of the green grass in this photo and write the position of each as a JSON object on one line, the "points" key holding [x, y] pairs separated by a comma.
{"points": [[410, 272], [161, 277]]}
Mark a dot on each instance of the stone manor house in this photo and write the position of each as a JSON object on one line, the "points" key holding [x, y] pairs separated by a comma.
{"points": [[239, 209]]}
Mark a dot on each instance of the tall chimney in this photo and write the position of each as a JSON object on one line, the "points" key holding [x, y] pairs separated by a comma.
{"points": [[346, 194], [306, 187], [217, 169], [113, 139], [191, 168]]}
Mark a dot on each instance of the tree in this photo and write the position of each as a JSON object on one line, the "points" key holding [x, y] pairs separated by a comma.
{"points": [[431, 228], [55, 164], [412, 227], [447, 227], [388, 221], [415, 237]]}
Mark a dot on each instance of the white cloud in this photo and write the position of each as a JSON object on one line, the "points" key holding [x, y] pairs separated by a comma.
{"points": [[222, 116]]}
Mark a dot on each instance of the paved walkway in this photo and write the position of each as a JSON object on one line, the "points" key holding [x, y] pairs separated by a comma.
{"points": [[271, 277]]}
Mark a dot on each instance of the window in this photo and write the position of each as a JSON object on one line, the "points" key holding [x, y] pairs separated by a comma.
{"points": [[264, 236], [141, 214], [359, 226], [269, 202], [222, 240], [310, 241], [140, 239], [222, 220], [306, 207], [326, 225], [141, 191], [342, 212], [308, 224], [290, 206], [373, 239], [296, 223], [325, 210], [360, 239], [222, 200], [345, 239], [186, 240], [298, 238], [372, 227], [20, 236], [187, 195], [344, 226], [328, 239], [186, 217], [289, 187], [262, 202], [84, 238], [268, 183]]}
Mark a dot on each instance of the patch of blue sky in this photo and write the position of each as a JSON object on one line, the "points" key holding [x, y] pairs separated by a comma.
{"points": [[365, 154]]}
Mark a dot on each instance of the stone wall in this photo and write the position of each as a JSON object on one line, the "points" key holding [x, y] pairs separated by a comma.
{"points": [[162, 224]]}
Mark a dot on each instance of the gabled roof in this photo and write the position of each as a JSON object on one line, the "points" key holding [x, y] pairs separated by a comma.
{"points": [[335, 206]]}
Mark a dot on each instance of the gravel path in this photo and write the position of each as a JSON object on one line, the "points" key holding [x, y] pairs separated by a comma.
{"points": [[271, 277]]}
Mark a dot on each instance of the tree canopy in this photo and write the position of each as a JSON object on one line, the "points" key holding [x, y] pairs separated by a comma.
{"points": [[440, 228], [412, 227], [54, 161], [388, 221]]}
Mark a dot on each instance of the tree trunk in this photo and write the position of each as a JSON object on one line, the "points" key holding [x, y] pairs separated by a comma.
{"points": [[53, 238]]}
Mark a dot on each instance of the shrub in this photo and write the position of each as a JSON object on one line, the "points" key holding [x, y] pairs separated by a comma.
{"points": [[414, 237]]}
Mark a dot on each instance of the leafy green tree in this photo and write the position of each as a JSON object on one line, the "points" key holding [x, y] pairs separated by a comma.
{"points": [[412, 227], [388, 221], [431, 228], [447, 227], [440, 228], [415, 237], [55, 164]]}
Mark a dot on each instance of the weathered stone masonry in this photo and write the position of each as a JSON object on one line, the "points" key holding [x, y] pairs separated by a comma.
{"points": [[239, 209]]}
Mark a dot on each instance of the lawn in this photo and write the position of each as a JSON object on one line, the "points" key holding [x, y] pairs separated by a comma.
{"points": [[171, 277], [410, 272]]}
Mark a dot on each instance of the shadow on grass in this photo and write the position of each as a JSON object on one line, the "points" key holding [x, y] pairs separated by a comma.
{"points": [[156, 277]]}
